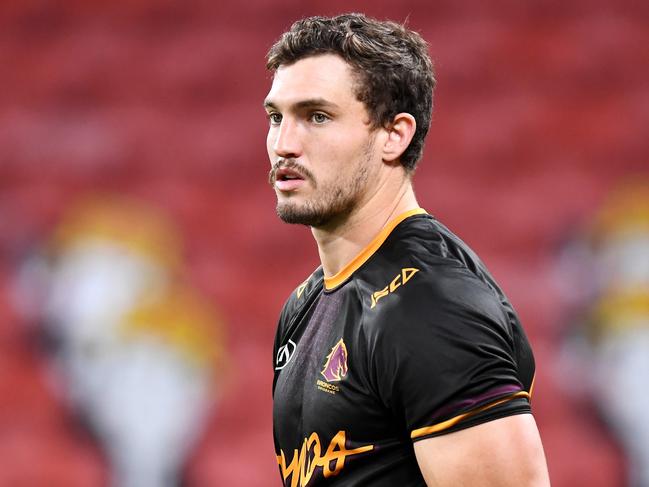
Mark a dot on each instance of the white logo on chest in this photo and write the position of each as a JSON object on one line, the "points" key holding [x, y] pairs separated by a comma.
{"points": [[284, 355]]}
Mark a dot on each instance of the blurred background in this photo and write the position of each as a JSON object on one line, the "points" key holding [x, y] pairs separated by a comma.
{"points": [[142, 267]]}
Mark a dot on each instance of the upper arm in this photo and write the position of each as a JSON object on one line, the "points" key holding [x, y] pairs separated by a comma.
{"points": [[500, 453]]}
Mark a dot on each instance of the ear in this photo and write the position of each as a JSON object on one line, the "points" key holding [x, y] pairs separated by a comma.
{"points": [[399, 134]]}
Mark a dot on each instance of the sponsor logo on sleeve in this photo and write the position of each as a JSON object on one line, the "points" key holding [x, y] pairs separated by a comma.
{"points": [[399, 280], [301, 288]]}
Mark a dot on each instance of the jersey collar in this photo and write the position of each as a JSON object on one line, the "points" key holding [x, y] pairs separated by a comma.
{"points": [[362, 257]]}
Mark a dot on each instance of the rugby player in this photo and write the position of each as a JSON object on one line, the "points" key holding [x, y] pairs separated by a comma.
{"points": [[399, 361]]}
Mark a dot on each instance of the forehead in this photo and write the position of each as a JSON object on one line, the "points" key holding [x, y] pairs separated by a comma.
{"points": [[325, 76]]}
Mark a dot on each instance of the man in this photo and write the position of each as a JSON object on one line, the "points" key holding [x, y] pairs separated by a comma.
{"points": [[399, 361]]}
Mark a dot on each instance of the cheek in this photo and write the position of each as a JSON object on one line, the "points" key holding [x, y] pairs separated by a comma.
{"points": [[350, 151], [270, 142], [270, 147]]}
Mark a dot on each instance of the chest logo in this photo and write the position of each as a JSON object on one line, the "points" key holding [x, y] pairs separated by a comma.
{"points": [[335, 368], [284, 355], [399, 280]]}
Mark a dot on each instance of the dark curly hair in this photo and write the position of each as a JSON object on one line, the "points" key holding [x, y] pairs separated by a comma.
{"points": [[391, 63]]}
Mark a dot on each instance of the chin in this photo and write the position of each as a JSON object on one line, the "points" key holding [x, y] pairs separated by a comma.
{"points": [[301, 215]]}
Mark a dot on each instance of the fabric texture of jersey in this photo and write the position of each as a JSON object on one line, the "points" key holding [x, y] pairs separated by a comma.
{"points": [[413, 339]]}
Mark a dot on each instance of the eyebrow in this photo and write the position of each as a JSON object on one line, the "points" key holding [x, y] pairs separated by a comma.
{"points": [[304, 104]]}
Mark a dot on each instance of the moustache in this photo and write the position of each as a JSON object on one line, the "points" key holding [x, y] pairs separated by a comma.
{"points": [[288, 164]]}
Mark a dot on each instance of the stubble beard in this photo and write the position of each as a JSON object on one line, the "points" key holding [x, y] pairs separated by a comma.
{"points": [[331, 202]]}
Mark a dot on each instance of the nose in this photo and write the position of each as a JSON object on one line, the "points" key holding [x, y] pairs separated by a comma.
{"points": [[285, 139]]}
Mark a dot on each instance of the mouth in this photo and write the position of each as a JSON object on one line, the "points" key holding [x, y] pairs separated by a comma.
{"points": [[287, 179], [286, 174]]}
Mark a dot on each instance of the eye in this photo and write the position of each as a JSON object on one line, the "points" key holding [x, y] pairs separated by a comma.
{"points": [[319, 117], [275, 118]]}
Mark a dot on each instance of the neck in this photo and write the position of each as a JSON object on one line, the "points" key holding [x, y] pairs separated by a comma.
{"points": [[342, 241]]}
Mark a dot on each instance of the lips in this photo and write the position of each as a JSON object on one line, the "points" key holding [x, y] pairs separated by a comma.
{"points": [[287, 179], [287, 174]]}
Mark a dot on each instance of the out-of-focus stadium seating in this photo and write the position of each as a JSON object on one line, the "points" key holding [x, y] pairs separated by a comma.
{"points": [[540, 109]]}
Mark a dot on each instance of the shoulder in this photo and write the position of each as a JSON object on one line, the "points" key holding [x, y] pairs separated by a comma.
{"points": [[437, 298], [424, 267], [300, 296], [424, 275], [304, 289]]}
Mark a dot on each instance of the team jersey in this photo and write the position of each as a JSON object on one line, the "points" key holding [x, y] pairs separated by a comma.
{"points": [[412, 339]]}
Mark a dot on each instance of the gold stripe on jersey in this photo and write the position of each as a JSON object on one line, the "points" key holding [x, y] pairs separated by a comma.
{"points": [[460, 417], [532, 387], [344, 274]]}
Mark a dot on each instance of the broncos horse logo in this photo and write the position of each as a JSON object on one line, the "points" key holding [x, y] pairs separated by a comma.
{"points": [[336, 365]]}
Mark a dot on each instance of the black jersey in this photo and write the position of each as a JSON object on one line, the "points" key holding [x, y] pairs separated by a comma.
{"points": [[412, 339]]}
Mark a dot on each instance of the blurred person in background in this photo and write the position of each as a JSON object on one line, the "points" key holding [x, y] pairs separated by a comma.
{"points": [[604, 274], [399, 361], [136, 348]]}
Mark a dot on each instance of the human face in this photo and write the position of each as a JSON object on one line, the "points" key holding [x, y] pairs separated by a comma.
{"points": [[320, 142]]}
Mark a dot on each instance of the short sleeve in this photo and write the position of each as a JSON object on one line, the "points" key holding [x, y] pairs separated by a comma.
{"points": [[445, 355]]}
